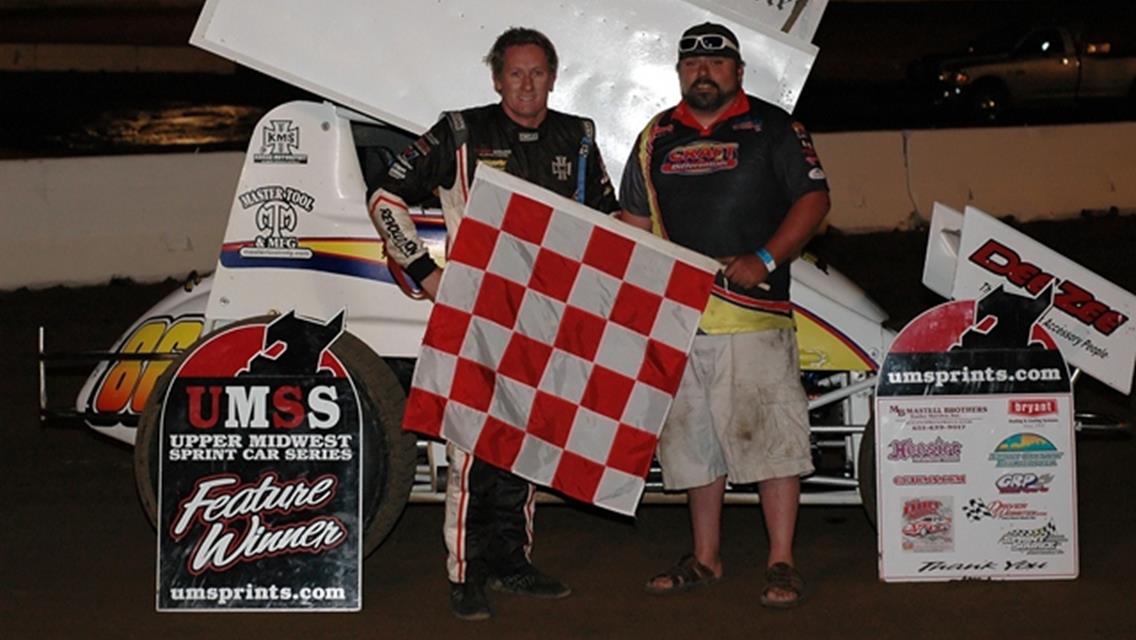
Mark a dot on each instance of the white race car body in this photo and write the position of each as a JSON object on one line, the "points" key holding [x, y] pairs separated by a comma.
{"points": [[299, 237]]}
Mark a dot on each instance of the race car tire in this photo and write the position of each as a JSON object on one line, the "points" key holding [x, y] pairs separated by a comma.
{"points": [[866, 471], [389, 454]]}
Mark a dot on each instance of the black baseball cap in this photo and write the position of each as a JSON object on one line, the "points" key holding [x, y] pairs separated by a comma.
{"points": [[709, 39]]}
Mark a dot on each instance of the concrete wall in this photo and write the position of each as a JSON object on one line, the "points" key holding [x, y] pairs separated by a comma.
{"points": [[887, 180], [86, 220]]}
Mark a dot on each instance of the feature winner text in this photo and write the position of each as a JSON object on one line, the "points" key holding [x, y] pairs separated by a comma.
{"points": [[205, 447]]}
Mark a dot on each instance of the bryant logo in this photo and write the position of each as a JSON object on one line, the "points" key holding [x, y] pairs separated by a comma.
{"points": [[1033, 408]]}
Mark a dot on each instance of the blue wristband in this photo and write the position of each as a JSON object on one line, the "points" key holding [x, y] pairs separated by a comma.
{"points": [[767, 258]]}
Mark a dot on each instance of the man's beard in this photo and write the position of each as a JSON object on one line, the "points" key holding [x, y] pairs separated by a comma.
{"points": [[707, 100]]}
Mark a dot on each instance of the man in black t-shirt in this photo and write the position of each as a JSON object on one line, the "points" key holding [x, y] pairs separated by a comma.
{"points": [[488, 528], [732, 177]]}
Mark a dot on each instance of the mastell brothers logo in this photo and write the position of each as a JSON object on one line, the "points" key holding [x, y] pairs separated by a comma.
{"points": [[1033, 408], [938, 450], [279, 142], [1026, 450], [701, 157]]}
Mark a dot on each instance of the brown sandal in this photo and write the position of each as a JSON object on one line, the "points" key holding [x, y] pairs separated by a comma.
{"points": [[783, 577], [686, 574]]}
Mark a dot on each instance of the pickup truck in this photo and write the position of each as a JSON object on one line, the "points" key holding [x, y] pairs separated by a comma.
{"points": [[1040, 66]]}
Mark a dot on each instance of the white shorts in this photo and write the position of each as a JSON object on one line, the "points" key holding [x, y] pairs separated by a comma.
{"points": [[740, 412]]}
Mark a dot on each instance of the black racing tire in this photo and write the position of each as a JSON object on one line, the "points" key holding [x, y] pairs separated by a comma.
{"points": [[389, 454], [866, 472]]}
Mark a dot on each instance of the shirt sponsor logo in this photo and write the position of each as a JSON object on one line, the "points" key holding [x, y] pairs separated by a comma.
{"points": [[561, 168], [279, 142], [938, 450], [807, 148], [749, 124], [701, 158], [1026, 450]]}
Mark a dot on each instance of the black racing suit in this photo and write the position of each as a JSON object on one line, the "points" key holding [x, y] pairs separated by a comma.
{"points": [[488, 527]]}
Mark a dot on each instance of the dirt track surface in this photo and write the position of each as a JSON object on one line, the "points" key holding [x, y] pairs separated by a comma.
{"points": [[77, 556]]}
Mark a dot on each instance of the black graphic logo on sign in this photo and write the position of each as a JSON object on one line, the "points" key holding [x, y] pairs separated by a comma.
{"points": [[993, 345], [260, 473]]}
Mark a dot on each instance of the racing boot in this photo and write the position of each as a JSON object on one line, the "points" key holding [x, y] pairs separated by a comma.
{"points": [[530, 582], [468, 601]]}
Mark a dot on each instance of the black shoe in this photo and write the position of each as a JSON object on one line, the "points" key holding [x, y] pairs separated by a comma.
{"points": [[530, 582], [467, 601]]}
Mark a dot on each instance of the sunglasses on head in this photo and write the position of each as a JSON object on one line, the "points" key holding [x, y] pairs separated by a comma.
{"points": [[707, 42]]}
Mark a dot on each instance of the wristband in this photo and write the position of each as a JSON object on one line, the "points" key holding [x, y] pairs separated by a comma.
{"points": [[767, 258]]}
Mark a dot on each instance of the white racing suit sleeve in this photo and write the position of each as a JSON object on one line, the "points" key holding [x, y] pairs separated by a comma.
{"points": [[392, 220], [428, 164]]}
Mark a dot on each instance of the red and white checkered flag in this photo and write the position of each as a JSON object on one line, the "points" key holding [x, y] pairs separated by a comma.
{"points": [[557, 341]]}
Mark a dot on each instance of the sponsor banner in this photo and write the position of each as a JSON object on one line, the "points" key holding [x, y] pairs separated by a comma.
{"points": [[1091, 319], [259, 480], [975, 449]]}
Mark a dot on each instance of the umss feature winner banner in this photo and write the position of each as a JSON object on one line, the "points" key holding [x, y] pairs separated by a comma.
{"points": [[259, 488], [975, 448]]}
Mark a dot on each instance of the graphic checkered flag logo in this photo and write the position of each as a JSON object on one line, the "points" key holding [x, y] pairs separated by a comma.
{"points": [[976, 510]]}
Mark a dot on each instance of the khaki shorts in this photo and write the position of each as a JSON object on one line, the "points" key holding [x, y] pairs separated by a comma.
{"points": [[740, 412]]}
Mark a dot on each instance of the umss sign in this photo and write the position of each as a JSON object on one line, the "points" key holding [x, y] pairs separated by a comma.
{"points": [[260, 482], [262, 406]]}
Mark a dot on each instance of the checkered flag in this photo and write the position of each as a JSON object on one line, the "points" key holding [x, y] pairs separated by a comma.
{"points": [[976, 510], [557, 341]]}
